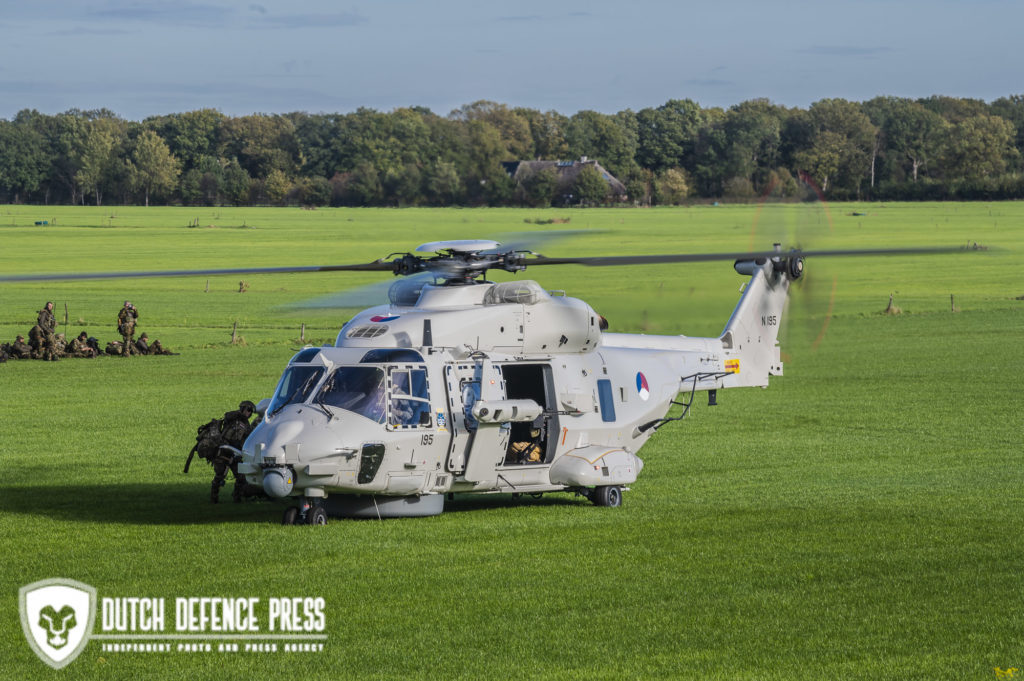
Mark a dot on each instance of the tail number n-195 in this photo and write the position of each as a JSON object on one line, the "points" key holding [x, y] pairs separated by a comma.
{"points": [[769, 320]]}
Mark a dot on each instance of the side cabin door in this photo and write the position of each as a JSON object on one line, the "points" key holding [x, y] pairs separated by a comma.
{"points": [[476, 448]]}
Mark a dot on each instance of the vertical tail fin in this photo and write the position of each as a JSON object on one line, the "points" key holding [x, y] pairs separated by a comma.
{"points": [[750, 338]]}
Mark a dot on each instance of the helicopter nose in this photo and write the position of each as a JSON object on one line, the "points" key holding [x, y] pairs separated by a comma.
{"points": [[278, 482]]}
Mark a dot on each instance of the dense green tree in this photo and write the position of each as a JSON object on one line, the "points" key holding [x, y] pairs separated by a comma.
{"points": [[954, 109], [823, 159], [708, 163], [1012, 109], [589, 187], [261, 144], [672, 187], [443, 185], [639, 186], [276, 187], [609, 139], [190, 136], [667, 136], [753, 130], [910, 131], [547, 130], [152, 168], [315, 191], [411, 156], [403, 186], [978, 147], [842, 145], [513, 129], [98, 156], [23, 158], [538, 189], [236, 182], [316, 134]]}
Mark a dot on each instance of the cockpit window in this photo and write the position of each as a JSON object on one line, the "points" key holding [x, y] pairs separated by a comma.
{"points": [[295, 386], [305, 356], [360, 390], [410, 403], [384, 355]]}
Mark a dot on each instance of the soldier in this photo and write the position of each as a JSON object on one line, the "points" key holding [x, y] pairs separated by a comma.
{"points": [[59, 345], [157, 349], [144, 347], [20, 349], [126, 326], [47, 324], [233, 430], [80, 347]]}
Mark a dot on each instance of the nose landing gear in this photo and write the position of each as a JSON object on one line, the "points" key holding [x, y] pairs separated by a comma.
{"points": [[309, 512]]}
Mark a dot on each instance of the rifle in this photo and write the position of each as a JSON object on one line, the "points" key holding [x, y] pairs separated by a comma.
{"points": [[188, 462]]}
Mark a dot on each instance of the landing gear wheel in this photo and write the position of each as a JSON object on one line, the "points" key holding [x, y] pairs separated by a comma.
{"points": [[291, 514], [316, 516], [610, 495]]}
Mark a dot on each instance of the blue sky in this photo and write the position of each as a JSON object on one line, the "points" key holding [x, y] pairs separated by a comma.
{"points": [[141, 58]]}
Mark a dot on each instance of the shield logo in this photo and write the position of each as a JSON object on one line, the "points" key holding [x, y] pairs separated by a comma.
{"points": [[57, 616]]}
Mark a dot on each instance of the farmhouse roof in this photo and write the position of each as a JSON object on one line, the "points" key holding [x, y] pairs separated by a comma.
{"points": [[567, 172]]}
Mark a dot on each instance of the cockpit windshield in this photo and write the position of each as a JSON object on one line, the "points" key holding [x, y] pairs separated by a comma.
{"points": [[295, 386], [360, 389]]}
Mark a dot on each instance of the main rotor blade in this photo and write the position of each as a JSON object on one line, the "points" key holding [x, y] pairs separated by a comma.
{"points": [[614, 260], [376, 266]]}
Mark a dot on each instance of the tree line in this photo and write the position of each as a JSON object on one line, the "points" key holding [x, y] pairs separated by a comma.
{"points": [[886, 148]]}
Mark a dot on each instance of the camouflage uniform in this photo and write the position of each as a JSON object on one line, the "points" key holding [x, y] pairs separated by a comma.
{"points": [[79, 347], [157, 349], [234, 428], [114, 348], [20, 349], [47, 324], [126, 326], [142, 345]]}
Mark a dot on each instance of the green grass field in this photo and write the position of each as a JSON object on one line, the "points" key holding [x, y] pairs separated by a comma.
{"points": [[860, 519]]}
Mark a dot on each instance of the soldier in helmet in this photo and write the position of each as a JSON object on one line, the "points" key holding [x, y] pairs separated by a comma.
{"points": [[126, 317], [60, 345], [20, 349], [46, 341], [79, 346], [234, 428]]}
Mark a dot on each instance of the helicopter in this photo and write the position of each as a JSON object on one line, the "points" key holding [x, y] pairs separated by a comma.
{"points": [[460, 385]]}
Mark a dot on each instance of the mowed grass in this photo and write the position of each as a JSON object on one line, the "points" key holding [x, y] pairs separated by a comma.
{"points": [[860, 519]]}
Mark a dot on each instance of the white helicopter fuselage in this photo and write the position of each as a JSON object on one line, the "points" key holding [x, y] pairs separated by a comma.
{"points": [[493, 388]]}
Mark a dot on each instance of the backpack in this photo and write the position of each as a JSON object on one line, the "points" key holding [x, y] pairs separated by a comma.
{"points": [[208, 439]]}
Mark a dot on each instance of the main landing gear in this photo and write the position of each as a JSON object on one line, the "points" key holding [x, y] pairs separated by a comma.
{"points": [[607, 495]]}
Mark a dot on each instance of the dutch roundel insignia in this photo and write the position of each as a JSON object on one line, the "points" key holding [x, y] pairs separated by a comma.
{"points": [[641, 386]]}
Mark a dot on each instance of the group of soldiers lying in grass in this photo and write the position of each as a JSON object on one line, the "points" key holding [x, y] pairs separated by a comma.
{"points": [[44, 344]]}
